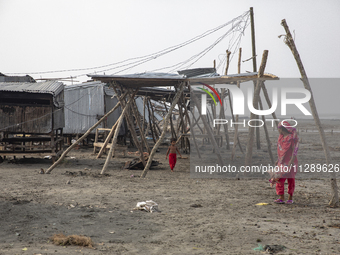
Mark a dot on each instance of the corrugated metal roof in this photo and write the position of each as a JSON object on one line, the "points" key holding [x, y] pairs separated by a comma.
{"points": [[47, 87], [198, 71], [107, 90], [142, 80]]}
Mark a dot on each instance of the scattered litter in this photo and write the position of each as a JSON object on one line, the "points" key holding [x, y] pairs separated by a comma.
{"points": [[42, 171], [47, 157], [61, 239], [24, 249], [273, 248], [149, 206], [72, 157], [71, 205], [196, 205], [112, 232], [262, 204], [259, 248], [17, 234], [132, 175], [68, 182]]}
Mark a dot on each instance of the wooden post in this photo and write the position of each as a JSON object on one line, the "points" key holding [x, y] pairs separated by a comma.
{"points": [[82, 138], [249, 150], [160, 140], [228, 59], [334, 202], [252, 25], [114, 140], [253, 47]]}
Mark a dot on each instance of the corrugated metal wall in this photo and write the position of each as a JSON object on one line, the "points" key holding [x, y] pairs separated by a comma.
{"points": [[85, 104]]}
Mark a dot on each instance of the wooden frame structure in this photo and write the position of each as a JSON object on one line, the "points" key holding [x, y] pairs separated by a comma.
{"points": [[127, 87]]}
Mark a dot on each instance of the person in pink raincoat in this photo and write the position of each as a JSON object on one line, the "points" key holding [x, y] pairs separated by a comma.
{"points": [[287, 162]]}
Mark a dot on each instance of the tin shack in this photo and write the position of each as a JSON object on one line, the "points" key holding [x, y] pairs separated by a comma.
{"points": [[31, 118]]}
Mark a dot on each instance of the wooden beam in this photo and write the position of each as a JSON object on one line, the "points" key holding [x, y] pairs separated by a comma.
{"points": [[334, 202]]}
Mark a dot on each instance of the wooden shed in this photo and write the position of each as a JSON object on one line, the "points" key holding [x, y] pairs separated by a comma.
{"points": [[31, 118]]}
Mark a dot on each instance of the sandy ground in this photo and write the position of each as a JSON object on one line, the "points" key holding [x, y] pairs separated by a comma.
{"points": [[33, 206]]}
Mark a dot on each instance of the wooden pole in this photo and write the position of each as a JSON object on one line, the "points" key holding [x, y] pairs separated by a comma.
{"points": [[252, 25], [249, 150], [160, 140], [334, 202], [228, 59], [253, 47], [49, 170], [114, 140]]}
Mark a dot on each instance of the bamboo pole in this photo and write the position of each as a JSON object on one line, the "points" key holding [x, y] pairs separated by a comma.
{"points": [[334, 201], [49, 170], [252, 25], [114, 140], [249, 150], [228, 59], [160, 140]]}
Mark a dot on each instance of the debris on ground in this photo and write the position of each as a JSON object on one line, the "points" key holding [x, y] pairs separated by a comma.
{"points": [[149, 206], [61, 239], [137, 164], [271, 249], [196, 205]]}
